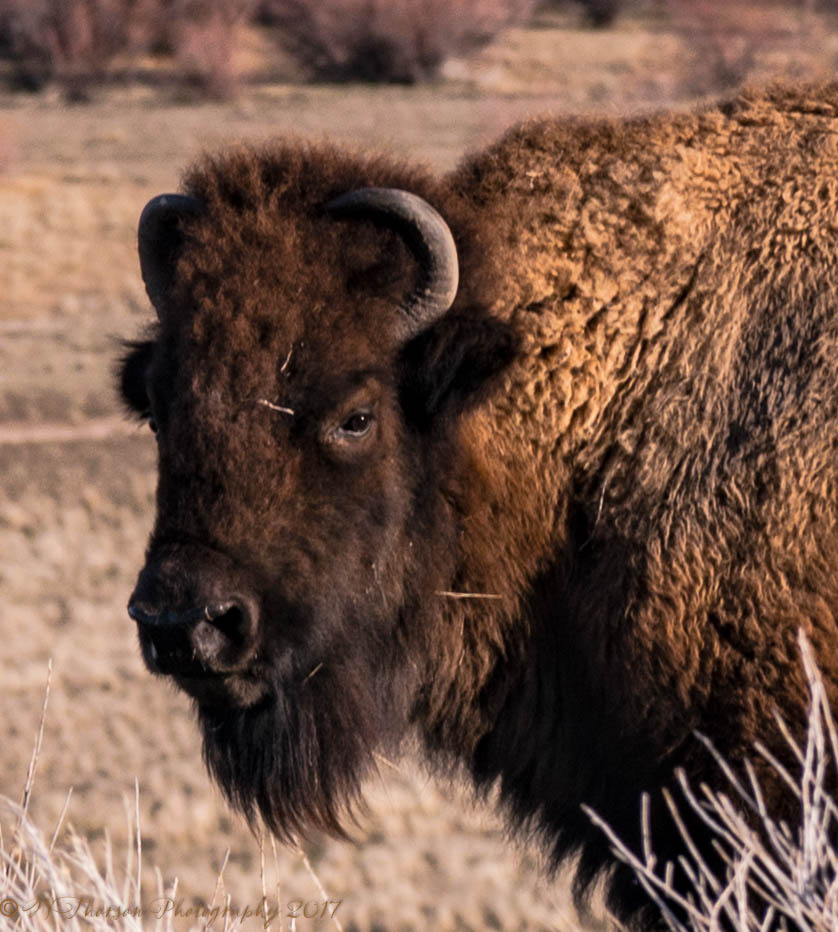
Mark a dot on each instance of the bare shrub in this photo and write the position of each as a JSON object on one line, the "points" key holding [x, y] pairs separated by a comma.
{"points": [[71, 41], [598, 13], [602, 12], [723, 39], [395, 41], [203, 37], [776, 877]]}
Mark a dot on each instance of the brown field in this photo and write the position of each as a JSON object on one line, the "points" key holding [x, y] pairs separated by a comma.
{"points": [[77, 482]]}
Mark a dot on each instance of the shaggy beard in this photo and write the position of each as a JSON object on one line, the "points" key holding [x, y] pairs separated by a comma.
{"points": [[298, 759]]}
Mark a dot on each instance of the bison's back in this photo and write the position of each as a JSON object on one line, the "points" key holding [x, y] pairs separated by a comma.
{"points": [[676, 409]]}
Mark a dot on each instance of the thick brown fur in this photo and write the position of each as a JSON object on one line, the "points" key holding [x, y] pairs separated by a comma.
{"points": [[624, 433]]}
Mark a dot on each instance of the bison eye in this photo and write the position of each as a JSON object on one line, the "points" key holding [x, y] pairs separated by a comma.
{"points": [[357, 424], [352, 434]]}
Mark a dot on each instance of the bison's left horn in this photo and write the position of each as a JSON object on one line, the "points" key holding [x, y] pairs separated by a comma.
{"points": [[425, 234], [159, 239]]}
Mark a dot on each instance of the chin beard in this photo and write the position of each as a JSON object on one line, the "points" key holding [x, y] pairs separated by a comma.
{"points": [[298, 758]]}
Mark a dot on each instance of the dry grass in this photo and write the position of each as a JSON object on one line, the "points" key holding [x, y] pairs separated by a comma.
{"points": [[52, 885], [7, 145], [776, 876], [58, 883], [61, 881]]}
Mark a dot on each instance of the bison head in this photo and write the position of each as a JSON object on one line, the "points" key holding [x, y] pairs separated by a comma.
{"points": [[304, 381]]}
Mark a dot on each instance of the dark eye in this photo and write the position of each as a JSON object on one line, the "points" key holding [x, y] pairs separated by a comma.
{"points": [[357, 424], [152, 424], [353, 434]]}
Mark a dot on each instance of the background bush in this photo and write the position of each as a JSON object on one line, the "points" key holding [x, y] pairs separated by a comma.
{"points": [[78, 43], [203, 37], [396, 41], [602, 12], [725, 41], [73, 41]]}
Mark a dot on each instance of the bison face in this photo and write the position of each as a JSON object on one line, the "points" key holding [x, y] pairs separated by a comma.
{"points": [[281, 529], [300, 436]]}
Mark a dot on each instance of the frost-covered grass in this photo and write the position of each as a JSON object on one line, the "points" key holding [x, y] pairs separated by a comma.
{"points": [[775, 877], [54, 882]]}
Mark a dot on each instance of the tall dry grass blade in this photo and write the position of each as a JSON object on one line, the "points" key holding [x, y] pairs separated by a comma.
{"points": [[219, 885], [448, 594], [36, 751], [646, 831], [139, 841], [262, 878], [277, 887], [703, 869], [317, 882], [60, 822]]}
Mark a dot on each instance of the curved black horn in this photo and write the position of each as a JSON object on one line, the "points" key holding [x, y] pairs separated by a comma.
{"points": [[159, 240], [425, 234]]}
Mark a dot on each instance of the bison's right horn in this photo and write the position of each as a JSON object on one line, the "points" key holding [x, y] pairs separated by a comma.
{"points": [[425, 234], [159, 240]]}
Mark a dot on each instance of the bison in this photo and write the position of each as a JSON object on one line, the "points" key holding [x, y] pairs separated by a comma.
{"points": [[535, 463]]}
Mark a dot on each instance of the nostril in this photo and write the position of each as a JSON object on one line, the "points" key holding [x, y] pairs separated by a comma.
{"points": [[214, 637], [232, 619], [141, 613]]}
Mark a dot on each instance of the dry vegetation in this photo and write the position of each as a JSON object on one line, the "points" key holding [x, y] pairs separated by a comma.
{"points": [[401, 41], [58, 882], [77, 488], [776, 876], [79, 45]]}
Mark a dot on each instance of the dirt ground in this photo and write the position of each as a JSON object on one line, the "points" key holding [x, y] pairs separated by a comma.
{"points": [[76, 481]]}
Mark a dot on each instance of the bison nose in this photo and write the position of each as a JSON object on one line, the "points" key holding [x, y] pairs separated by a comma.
{"points": [[215, 638]]}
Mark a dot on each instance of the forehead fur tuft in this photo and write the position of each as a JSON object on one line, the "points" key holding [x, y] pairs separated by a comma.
{"points": [[269, 200]]}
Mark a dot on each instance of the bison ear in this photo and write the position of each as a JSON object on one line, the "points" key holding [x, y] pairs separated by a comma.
{"points": [[160, 239], [452, 364], [130, 373]]}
